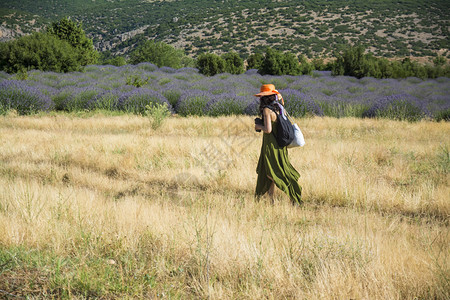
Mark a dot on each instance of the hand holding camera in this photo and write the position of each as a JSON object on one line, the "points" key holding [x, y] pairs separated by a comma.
{"points": [[259, 121]]}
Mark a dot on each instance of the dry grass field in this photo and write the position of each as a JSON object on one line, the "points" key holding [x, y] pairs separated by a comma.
{"points": [[107, 207]]}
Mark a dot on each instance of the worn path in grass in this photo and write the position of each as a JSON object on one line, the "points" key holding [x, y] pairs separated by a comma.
{"points": [[106, 206]]}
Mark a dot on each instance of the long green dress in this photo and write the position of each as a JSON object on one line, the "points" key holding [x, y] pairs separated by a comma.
{"points": [[274, 162]]}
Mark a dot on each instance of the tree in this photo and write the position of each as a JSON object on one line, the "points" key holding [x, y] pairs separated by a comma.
{"points": [[210, 64], [187, 62], [290, 64], [278, 63], [354, 62], [350, 62], [72, 32], [306, 67], [271, 64], [254, 61], [233, 63], [318, 64], [158, 53], [38, 51], [439, 61]]}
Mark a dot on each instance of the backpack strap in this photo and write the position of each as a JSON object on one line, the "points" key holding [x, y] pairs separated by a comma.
{"points": [[283, 111], [281, 108], [289, 116]]}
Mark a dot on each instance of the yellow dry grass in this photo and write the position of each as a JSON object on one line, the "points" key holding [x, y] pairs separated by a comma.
{"points": [[125, 211]]}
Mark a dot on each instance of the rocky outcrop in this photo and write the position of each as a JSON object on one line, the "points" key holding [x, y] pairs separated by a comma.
{"points": [[7, 34], [128, 35], [103, 45]]}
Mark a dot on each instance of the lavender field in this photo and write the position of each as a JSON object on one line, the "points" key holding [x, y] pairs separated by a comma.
{"points": [[101, 205], [186, 92]]}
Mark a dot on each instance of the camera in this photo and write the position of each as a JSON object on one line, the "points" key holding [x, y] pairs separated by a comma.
{"points": [[259, 121]]}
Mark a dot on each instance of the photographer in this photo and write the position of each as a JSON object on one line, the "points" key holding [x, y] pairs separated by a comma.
{"points": [[274, 168]]}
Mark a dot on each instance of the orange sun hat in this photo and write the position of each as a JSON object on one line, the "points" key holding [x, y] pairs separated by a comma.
{"points": [[267, 89]]}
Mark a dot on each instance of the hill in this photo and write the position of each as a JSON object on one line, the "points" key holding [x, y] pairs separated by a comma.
{"points": [[311, 27]]}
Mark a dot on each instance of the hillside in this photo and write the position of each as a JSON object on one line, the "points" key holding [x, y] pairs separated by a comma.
{"points": [[311, 27]]}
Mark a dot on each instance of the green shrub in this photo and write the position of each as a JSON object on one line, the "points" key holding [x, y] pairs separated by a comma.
{"points": [[278, 63], [39, 51], [158, 53], [254, 61], [136, 81], [233, 63], [157, 113], [117, 61], [210, 64]]}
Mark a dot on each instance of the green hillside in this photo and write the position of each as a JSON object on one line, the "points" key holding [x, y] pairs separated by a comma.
{"points": [[311, 27]]}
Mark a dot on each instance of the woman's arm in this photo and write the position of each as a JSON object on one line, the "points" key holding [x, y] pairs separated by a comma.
{"points": [[267, 128]]}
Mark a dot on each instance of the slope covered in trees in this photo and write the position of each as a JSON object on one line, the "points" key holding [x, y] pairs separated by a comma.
{"points": [[311, 27]]}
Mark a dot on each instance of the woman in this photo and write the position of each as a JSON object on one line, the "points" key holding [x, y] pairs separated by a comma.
{"points": [[274, 167]]}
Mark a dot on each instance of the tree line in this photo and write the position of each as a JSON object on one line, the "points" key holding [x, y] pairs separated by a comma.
{"points": [[64, 47]]}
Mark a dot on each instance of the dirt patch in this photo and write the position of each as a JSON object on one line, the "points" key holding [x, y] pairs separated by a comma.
{"points": [[381, 33], [280, 31]]}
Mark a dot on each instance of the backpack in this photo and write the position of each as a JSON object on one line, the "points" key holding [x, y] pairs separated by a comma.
{"points": [[285, 131]]}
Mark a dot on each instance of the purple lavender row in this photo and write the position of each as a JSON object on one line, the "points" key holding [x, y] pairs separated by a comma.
{"points": [[186, 92]]}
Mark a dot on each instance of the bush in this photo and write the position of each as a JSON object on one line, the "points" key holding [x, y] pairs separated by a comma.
{"points": [[188, 70], [254, 61], [61, 97], [108, 100], [252, 108], [210, 64], [354, 62], [136, 100], [3, 74], [146, 66], [271, 64], [137, 81], [338, 108], [233, 63], [398, 107], [21, 75], [278, 63], [22, 98], [193, 103], [443, 115], [117, 61], [157, 112], [306, 68], [172, 94], [168, 70], [158, 53], [251, 72], [79, 98], [38, 51], [226, 104], [299, 104]]}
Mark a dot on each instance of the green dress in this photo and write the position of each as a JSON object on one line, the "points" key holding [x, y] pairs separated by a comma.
{"points": [[274, 162]]}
